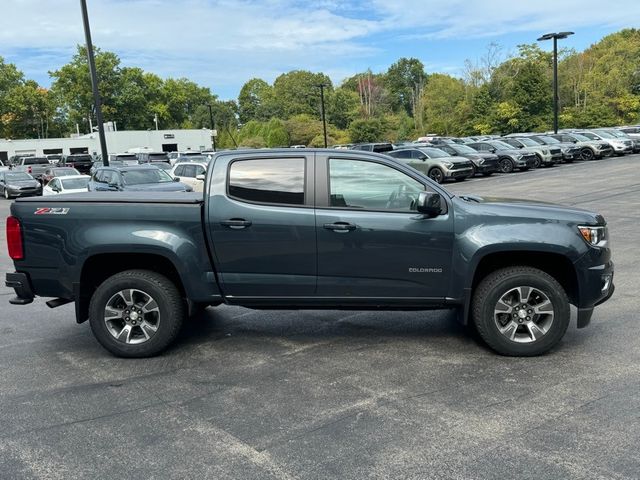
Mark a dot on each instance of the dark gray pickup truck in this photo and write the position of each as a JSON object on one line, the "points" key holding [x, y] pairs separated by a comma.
{"points": [[294, 229]]}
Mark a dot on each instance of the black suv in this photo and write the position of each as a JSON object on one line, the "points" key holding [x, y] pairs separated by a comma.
{"points": [[374, 147], [80, 161]]}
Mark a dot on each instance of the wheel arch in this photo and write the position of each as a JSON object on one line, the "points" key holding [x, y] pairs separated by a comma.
{"points": [[97, 268], [557, 265]]}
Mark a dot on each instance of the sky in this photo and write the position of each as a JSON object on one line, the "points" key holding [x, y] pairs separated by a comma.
{"points": [[223, 43]]}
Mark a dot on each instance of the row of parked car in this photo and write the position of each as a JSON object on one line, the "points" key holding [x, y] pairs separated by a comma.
{"points": [[33, 175], [444, 158]]}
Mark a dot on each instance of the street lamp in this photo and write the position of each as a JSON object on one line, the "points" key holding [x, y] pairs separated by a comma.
{"points": [[555, 37], [94, 84], [213, 127], [324, 121]]}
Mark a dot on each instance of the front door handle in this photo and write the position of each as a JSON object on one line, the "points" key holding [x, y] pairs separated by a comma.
{"points": [[236, 223], [340, 227]]}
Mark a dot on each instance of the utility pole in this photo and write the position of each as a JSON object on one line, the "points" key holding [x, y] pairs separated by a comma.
{"points": [[155, 120], [213, 127], [94, 84], [324, 121], [555, 37]]}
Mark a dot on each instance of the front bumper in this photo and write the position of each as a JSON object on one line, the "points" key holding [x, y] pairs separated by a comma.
{"points": [[595, 283], [458, 173], [490, 167], [525, 162], [22, 286], [23, 192], [604, 152]]}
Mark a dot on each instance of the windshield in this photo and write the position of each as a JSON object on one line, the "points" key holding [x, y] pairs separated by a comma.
{"points": [[194, 158], [75, 183], [501, 145], [140, 177], [547, 140], [615, 133], [36, 161], [590, 136], [528, 142], [17, 177], [464, 149], [61, 172], [434, 153], [581, 138], [158, 157]]}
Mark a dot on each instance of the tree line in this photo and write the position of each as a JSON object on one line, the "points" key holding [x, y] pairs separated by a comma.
{"points": [[497, 93]]}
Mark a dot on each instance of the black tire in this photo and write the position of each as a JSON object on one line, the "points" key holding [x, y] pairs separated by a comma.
{"points": [[474, 170], [538, 162], [495, 286], [587, 154], [506, 165], [436, 174], [170, 306]]}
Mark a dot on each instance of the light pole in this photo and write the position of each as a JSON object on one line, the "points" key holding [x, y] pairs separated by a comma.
{"points": [[324, 121], [155, 120], [94, 84], [213, 127], [555, 37]]}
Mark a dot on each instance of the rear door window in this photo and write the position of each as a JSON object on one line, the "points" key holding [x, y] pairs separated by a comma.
{"points": [[273, 181]]}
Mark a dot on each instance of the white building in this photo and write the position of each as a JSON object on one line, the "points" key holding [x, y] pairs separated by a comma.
{"points": [[117, 142]]}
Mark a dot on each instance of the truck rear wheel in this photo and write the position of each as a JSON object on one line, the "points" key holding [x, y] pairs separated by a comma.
{"points": [[136, 313], [520, 311]]}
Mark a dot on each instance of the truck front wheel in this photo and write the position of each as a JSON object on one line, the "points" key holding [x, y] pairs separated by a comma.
{"points": [[136, 313], [520, 311]]}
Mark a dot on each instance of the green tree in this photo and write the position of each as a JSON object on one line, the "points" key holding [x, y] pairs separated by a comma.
{"points": [[405, 81], [256, 101], [297, 93], [366, 130]]}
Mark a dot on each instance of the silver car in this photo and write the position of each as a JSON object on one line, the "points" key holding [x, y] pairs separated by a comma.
{"points": [[436, 164]]}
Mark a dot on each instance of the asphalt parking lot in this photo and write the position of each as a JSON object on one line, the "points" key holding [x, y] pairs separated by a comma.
{"points": [[349, 395]]}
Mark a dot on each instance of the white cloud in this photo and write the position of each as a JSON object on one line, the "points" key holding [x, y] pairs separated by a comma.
{"points": [[222, 43]]}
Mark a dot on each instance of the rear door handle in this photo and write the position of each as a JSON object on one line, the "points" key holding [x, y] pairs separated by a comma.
{"points": [[236, 223], [340, 227]]}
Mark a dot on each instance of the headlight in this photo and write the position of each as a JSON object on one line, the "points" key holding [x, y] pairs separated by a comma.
{"points": [[545, 152], [480, 161], [519, 156], [596, 236], [447, 164]]}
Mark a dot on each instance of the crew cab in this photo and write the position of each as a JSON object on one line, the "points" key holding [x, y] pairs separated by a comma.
{"points": [[310, 229], [34, 166]]}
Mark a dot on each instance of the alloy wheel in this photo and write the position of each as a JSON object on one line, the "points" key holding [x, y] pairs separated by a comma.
{"points": [[524, 314], [132, 316]]}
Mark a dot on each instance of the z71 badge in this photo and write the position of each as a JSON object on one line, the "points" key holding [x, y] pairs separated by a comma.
{"points": [[51, 211]]}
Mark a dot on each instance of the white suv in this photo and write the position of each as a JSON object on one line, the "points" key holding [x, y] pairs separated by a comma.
{"points": [[190, 173]]}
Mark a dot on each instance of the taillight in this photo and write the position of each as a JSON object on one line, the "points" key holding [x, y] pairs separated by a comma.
{"points": [[29, 170], [14, 238]]}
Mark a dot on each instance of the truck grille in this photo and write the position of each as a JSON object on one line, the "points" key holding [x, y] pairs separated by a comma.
{"points": [[555, 151]]}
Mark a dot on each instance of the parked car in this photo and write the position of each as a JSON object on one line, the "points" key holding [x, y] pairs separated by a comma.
{"points": [[620, 146], [153, 157], [545, 156], [509, 158], [52, 172], [175, 157], [124, 157], [434, 163], [306, 230], [54, 158], [80, 161], [635, 142], [633, 131], [34, 166], [134, 177], [590, 149], [18, 184], [15, 159], [382, 147], [440, 140], [483, 163], [190, 173], [68, 184], [570, 152], [112, 163]]}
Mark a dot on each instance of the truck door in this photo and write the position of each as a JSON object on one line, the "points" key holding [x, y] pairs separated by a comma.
{"points": [[371, 241], [262, 225]]}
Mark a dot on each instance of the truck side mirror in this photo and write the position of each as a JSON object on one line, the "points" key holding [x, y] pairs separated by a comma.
{"points": [[200, 177], [429, 203], [176, 179]]}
